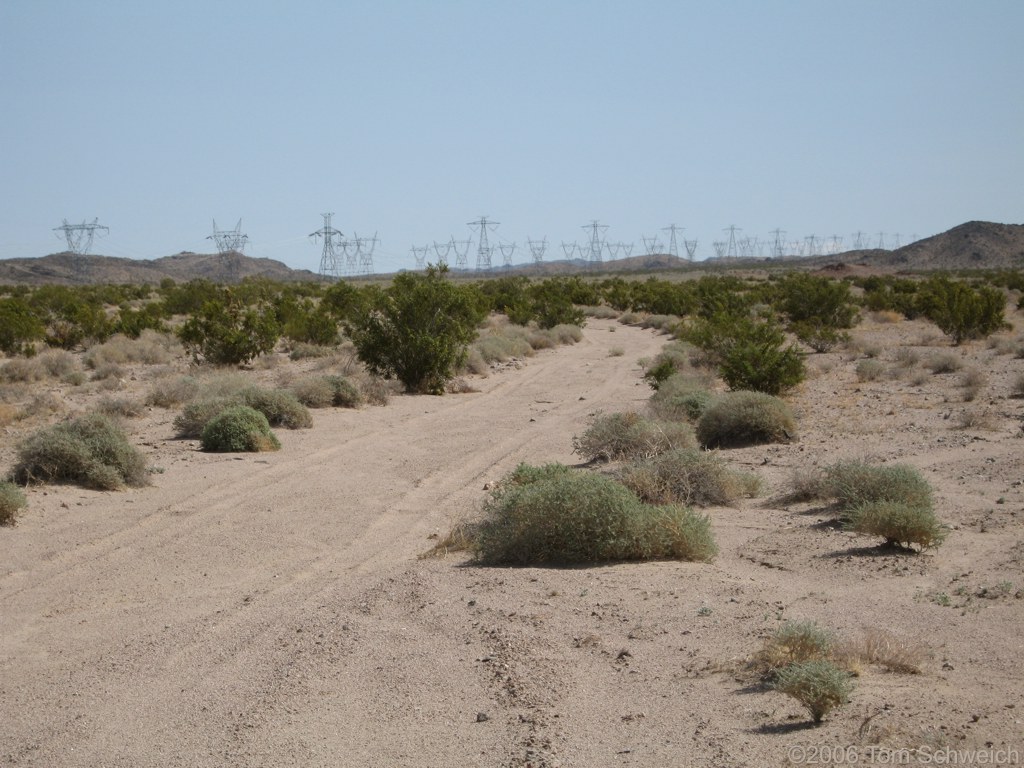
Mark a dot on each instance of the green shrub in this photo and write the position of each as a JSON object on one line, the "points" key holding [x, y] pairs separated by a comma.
{"points": [[91, 451], [20, 326], [346, 394], [819, 685], [417, 330], [794, 642], [897, 522], [225, 332], [552, 515], [818, 308], [960, 311], [197, 414], [12, 501], [280, 406], [238, 429], [681, 398], [746, 418], [630, 436], [313, 392], [688, 477], [853, 483]]}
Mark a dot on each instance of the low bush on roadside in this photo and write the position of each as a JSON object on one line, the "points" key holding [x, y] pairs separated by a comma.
{"points": [[746, 418], [819, 685], [238, 429], [280, 407], [898, 523], [12, 501], [681, 398], [151, 348], [327, 391], [630, 436], [91, 451], [22, 370], [688, 477], [554, 515], [172, 392]]}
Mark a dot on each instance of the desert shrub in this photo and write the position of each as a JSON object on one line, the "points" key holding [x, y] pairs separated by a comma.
{"points": [[91, 451], [746, 418], [304, 351], [374, 389], [12, 501], [197, 414], [307, 323], [854, 483], [23, 370], [944, 362], [108, 371], [630, 436], [616, 351], [151, 348], [563, 333], [794, 642], [869, 370], [551, 515], [689, 477], [238, 429], [120, 406], [1017, 386], [550, 303], [225, 332], [20, 326], [972, 382], [960, 311], [897, 522], [884, 649], [58, 363], [818, 308], [280, 406], [313, 392], [346, 394], [171, 392], [601, 312], [906, 357], [818, 684], [501, 347], [672, 359], [417, 330], [475, 363]]}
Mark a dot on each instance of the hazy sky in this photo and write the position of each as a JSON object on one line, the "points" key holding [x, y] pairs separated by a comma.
{"points": [[411, 119]]}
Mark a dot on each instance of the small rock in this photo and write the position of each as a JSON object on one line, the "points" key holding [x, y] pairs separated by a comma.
{"points": [[481, 717]]}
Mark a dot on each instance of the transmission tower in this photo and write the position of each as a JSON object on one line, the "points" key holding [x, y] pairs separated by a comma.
{"points": [[79, 236], [626, 248], [443, 250], [730, 250], [777, 244], [596, 241], [537, 249], [720, 247], [881, 241], [812, 245], [896, 244], [230, 244], [420, 255], [859, 243], [747, 246], [673, 248], [507, 251], [837, 244], [366, 256], [483, 249], [331, 236], [461, 249], [652, 245], [691, 249], [569, 249]]}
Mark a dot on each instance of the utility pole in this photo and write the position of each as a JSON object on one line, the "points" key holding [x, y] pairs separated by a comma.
{"points": [[328, 258], [483, 249]]}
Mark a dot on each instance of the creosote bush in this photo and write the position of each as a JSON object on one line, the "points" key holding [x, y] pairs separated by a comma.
{"points": [[818, 684], [746, 418], [630, 436], [91, 451], [554, 515], [280, 407], [688, 477], [238, 429], [681, 397], [327, 391], [12, 501]]}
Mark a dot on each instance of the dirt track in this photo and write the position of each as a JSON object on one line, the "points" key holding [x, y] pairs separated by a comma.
{"points": [[270, 610]]}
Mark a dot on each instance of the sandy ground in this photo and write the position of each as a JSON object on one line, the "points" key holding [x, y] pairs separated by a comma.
{"points": [[273, 610]]}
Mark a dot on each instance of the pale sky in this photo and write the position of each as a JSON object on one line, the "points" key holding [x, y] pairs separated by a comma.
{"points": [[410, 119]]}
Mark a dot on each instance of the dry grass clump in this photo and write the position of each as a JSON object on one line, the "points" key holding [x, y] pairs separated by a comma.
{"points": [[663, 323], [305, 351], [689, 477], [91, 451], [869, 369], [172, 392], [744, 418], [906, 357], [59, 363], [554, 515], [856, 482], [975, 418], [972, 382], [106, 371], [601, 312], [499, 347], [616, 351], [238, 429], [944, 362], [681, 397], [150, 348], [475, 363], [12, 501], [327, 391], [881, 648], [630, 436], [1017, 386], [885, 316]]}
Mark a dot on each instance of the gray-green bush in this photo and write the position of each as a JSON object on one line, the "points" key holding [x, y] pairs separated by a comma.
{"points": [[746, 418], [553, 515], [686, 476], [818, 684], [898, 523], [630, 436], [12, 501], [238, 429], [91, 451]]}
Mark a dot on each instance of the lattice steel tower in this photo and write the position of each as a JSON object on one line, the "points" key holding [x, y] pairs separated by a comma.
{"points": [[331, 236], [79, 236], [483, 249], [596, 241], [673, 247]]}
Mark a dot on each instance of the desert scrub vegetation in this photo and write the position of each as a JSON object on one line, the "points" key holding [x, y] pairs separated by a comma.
{"points": [[91, 451], [151, 348], [417, 330], [944, 362], [12, 501], [819, 685], [869, 369], [554, 515], [280, 407], [819, 309], [690, 477], [327, 391], [225, 331], [173, 391], [793, 643], [238, 429], [629, 435], [899, 524], [960, 311], [737, 419]]}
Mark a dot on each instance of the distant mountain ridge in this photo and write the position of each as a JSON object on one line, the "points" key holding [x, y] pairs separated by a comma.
{"points": [[973, 245]]}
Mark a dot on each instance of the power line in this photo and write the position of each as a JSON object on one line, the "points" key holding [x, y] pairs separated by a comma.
{"points": [[328, 258], [483, 250]]}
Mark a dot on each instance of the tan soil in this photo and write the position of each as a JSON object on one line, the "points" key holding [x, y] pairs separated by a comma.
{"points": [[272, 610]]}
